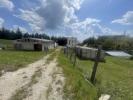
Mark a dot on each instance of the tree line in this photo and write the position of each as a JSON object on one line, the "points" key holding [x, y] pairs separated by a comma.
{"points": [[116, 42], [18, 34]]}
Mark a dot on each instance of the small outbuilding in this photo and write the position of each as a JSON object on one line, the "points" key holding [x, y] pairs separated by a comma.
{"points": [[88, 53], [34, 44]]}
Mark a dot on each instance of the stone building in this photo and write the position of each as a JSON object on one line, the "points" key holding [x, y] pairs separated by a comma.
{"points": [[88, 53], [34, 44], [71, 41]]}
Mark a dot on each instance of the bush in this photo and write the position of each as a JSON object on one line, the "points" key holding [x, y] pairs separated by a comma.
{"points": [[131, 58]]}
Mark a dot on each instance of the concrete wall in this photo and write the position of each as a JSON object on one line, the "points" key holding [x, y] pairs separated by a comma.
{"points": [[88, 53], [28, 46], [85, 53], [49, 45]]}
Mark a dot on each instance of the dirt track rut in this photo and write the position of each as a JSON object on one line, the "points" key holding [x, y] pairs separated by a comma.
{"points": [[47, 85]]}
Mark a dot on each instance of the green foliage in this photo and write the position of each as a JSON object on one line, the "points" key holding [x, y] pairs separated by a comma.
{"points": [[119, 42], [18, 34], [60, 40], [131, 58]]}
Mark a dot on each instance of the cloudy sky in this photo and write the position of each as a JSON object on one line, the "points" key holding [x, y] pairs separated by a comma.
{"points": [[78, 18]]}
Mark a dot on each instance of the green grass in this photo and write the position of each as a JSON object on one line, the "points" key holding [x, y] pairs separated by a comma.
{"points": [[13, 60], [51, 56], [7, 44], [115, 77], [76, 88]]}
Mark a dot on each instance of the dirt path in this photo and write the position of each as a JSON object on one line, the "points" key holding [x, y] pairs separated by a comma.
{"points": [[38, 81]]}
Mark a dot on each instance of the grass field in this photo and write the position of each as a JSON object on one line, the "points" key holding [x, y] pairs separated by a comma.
{"points": [[115, 77], [13, 60], [76, 88], [7, 44]]}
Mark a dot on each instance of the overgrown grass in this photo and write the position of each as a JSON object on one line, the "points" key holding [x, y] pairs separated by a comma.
{"points": [[115, 77], [13, 60], [76, 87]]}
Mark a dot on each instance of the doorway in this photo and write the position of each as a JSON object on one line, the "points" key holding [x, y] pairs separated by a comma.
{"points": [[38, 47]]}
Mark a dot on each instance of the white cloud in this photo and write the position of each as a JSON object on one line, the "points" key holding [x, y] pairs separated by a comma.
{"points": [[35, 21], [51, 14], [7, 4], [126, 19], [1, 22], [15, 27], [57, 17], [88, 28], [75, 3]]}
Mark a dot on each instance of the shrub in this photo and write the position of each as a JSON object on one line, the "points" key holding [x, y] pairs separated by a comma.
{"points": [[131, 58]]}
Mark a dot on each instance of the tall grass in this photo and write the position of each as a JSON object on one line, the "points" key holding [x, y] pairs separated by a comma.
{"points": [[115, 77], [76, 87]]}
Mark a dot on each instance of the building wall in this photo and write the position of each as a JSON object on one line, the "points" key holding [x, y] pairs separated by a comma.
{"points": [[28, 46], [71, 41], [85, 53], [49, 45]]}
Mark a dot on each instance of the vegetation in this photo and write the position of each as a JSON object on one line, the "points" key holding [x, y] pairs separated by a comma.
{"points": [[18, 34], [131, 58], [113, 77], [76, 87], [51, 57], [62, 41], [13, 60], [120, 42], [6, 44]]}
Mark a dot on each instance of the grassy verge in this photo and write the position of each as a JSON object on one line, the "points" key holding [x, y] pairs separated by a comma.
{"points": [[13, 60], [115, 77], [76, 87]]}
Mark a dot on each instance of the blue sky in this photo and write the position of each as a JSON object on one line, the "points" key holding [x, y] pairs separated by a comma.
{"points": [[78, 18]]}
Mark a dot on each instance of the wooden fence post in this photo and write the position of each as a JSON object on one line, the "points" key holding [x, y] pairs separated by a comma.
{"points": [[74, 62], [96, 64], [71, 53]]}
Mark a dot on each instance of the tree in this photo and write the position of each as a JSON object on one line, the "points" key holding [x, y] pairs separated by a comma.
{"points": [[18, 33]]}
